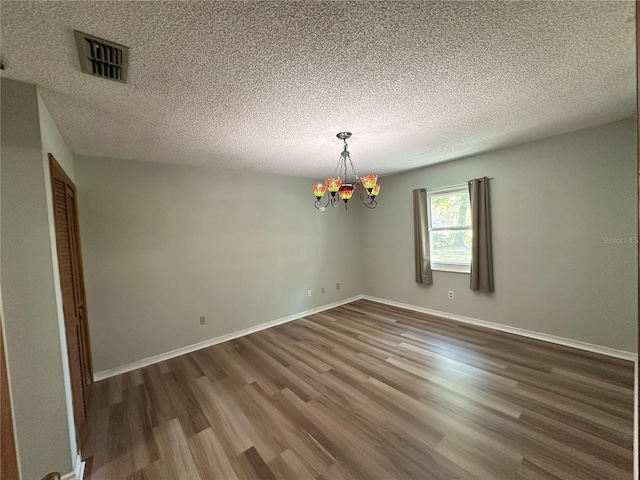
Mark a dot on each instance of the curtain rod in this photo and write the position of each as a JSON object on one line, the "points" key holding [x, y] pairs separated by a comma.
{"points": [[445, 187], [479, 179]]}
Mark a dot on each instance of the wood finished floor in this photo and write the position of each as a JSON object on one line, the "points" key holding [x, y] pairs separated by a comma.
{"points": [[367, 391]]}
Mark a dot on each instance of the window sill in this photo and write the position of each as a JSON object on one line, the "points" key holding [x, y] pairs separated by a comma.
{"points": [[450, 267]]}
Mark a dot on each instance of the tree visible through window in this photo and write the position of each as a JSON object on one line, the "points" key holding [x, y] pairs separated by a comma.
{"points": [[450, 228]]}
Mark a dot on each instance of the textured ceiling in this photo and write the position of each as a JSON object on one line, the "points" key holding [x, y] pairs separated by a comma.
{"points": [[266, 85]]}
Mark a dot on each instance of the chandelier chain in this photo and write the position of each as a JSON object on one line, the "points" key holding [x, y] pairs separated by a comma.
{"points": [[342, 168], [353, 170]]}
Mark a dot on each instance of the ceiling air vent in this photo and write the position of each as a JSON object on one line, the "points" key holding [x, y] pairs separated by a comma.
{"points": [[102, 58]]}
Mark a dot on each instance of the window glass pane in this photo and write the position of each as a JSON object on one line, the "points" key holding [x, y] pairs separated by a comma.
{"points": [[451, 246], [450, 210]]}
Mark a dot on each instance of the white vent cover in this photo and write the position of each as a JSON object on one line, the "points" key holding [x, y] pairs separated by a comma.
{"points": [[102, 58]]}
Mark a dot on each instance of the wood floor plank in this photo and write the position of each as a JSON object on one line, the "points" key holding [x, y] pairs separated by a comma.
{"points": [[362, 392], [142, 447], [256, 466], [176, 460], [211, 460], [287, 465], [222, 416], [184, 403], [367, 463], [292, 432], [408, 446], [485, 462]]}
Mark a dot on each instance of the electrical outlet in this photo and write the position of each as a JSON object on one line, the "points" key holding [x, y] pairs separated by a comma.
{"points": [[337, 286], [322, 291], [308, 293], [450, 294], [202, 320]]}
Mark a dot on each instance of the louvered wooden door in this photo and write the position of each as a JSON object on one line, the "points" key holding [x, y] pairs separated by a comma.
{"points": [[72, 285]]}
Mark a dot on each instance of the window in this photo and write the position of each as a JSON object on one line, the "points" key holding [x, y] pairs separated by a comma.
{"points": [[450, 228]]}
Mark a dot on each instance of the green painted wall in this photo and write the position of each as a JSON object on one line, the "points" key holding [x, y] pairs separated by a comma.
{"points": [[165, 244], [30, 320], [555, 202]]}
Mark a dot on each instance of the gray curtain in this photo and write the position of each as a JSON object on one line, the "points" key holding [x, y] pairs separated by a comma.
{"points": [[481, 249], [421, 237]]}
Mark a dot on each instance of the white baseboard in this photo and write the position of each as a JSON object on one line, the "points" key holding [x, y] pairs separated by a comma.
{"points": [[612, 352], [451, 316], [78, 471], [214, 341]]}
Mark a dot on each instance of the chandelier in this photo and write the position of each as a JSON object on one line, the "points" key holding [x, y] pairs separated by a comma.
{"points": [[366, 187]]}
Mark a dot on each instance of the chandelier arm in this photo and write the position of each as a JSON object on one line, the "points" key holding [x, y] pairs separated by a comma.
{"points": [[361, 194], [360, 190], [372, 201], [318, 204]]}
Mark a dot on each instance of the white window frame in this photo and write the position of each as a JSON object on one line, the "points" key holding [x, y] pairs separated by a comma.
{"points": [[445, 266]]}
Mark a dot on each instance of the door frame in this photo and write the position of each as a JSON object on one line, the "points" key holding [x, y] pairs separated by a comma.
{"points": [[9, 463], [637, 413]]}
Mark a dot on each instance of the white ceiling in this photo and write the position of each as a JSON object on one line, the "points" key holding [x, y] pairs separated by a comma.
{"points": [[265, 86]]}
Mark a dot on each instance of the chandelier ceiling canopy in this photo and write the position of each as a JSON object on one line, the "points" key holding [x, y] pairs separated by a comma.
{"points": [[345, 185]]}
